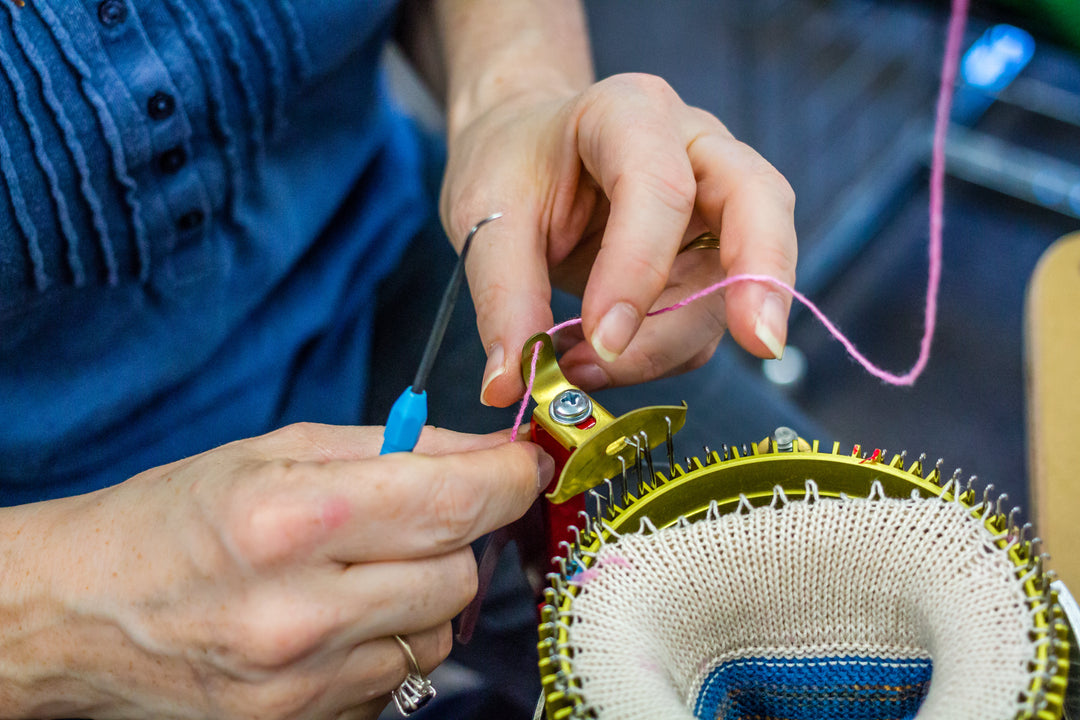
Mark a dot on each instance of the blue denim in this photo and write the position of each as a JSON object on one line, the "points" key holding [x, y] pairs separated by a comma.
{"points": [[197, 200]]}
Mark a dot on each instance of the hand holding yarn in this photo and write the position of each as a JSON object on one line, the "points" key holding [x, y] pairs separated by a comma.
{"points": [[601, 189]]}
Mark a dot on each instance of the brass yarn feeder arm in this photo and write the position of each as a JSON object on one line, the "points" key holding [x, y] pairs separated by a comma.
{"points": [[601, 444], [635, 508]]}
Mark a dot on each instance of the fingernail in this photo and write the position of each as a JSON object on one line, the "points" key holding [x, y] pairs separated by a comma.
{"points": [[492, 370], [587, 377], [615, 331], [545, 471], [771, 324]]}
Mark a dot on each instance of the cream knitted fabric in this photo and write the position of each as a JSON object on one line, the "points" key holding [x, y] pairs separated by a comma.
{"points": [[889, 582]]}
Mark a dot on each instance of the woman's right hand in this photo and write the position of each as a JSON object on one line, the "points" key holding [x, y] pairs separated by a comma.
{"points": [[262, 579]]}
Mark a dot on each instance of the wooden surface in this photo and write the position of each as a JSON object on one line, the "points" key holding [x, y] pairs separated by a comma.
{"points": [[1053, 370]]}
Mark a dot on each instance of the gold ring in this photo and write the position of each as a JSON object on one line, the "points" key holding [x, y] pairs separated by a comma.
{"points": [[415, 691], [704, 241]]}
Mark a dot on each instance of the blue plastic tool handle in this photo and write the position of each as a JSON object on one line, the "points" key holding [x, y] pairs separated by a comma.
{"points": [[407, 418]]}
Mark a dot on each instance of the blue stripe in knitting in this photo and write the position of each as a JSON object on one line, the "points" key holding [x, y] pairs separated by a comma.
{"points": [[815, 688]]}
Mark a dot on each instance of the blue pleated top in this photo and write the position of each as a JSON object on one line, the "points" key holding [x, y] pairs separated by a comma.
{"points": [[197, 199]]}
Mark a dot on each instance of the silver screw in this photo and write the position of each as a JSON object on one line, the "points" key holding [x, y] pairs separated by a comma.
{"points": [[570, 407], [785, 438]]}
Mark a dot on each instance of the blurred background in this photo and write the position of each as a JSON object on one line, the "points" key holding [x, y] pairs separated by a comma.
{"points": [[839, 95]]}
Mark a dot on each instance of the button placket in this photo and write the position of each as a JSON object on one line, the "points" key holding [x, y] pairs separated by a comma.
{"points": [[170, 203]]}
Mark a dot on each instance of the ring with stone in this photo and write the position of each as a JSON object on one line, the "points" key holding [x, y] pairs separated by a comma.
{"points": [[415, 691]]}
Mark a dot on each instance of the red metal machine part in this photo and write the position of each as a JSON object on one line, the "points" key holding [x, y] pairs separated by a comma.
{"points": [[557, 518]]}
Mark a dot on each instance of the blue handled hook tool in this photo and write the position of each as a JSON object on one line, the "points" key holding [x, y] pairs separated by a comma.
{"points": [[409, 412]]}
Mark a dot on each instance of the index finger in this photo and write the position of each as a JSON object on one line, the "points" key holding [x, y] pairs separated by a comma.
{"points": [[408, 505]]}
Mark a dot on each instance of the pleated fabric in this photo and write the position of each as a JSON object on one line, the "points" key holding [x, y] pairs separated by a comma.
{"points": [[196, 196]]}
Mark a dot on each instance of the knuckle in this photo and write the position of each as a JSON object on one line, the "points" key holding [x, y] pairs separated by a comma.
{"points": [[460, 212], [779, 186], [263, 635], [444, 643], [764, 177], [299, 430], [253, 536], [300, 433], [659, 363], [490, 295], [667, 182], [268, 523], [653, 87], [781, 259], [456, 507], [465, 575], [646, 273], [709, 123]]}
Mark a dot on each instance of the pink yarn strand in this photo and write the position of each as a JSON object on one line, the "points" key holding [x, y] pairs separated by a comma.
{"points": [[528, 388], [950, 65], [564, 324]]}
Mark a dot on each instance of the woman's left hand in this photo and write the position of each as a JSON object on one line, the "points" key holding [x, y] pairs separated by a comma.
{"points": [[600, 190]]}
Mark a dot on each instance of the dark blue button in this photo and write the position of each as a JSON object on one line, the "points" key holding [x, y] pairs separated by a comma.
{"points": [[161, 105], [170, 161], [112, 12], [190, 220]]}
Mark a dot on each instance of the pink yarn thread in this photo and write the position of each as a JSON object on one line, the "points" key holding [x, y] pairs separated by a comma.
{"points": [[950, 64]]}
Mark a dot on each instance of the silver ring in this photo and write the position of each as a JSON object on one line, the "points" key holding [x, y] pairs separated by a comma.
{"points": [[415, 691]]}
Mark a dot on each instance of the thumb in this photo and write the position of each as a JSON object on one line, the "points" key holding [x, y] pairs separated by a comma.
{"points": [[508, 280]]}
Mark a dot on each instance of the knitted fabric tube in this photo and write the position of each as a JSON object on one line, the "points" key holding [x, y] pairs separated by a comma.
{"points": [[821, 608]]}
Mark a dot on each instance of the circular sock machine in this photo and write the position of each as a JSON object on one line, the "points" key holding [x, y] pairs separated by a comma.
{"points": [[778, 579]]}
